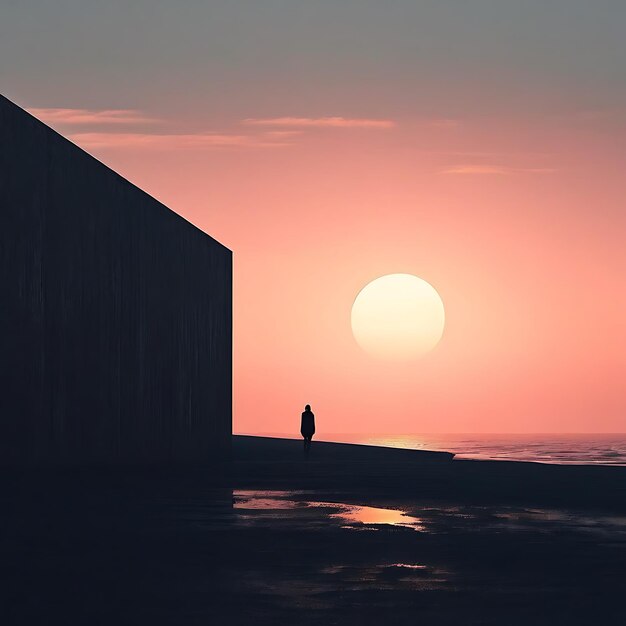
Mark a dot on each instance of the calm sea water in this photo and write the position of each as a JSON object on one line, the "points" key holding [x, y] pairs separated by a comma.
{"points": [[588, 449], [604, 449]]}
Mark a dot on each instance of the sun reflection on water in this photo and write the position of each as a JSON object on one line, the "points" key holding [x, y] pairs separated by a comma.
{"points": [[353, 516], [373, 516]]}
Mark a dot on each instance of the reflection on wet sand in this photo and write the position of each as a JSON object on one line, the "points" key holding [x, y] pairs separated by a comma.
{"points": [[373, 516], [558, 521], [164, 545], [301, 507], [265, 500], [397, 576], [352, 515]]}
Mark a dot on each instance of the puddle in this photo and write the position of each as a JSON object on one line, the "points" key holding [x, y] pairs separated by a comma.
{"points": [[353, 516], [264, 500], [300, 507], [373, 516]]}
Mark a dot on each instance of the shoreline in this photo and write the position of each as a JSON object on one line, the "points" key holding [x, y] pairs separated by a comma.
{"points": [[552, 448], [260, 462]]}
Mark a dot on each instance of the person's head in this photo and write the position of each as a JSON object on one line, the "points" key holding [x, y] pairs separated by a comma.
{"points": [[307, 407]]}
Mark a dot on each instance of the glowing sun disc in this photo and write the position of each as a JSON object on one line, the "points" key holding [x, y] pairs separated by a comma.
{"points": [[398, 316]]}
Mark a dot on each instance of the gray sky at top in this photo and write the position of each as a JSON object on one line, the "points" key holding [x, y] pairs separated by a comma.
{"points": [[233, 58]]}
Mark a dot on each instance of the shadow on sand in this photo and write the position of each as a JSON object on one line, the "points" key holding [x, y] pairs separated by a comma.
{"points": [[341, 538]]}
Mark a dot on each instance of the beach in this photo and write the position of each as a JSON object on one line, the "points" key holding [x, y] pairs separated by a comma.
{"points": [[348, 536]]}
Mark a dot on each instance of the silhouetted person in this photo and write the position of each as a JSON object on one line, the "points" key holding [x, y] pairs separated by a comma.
{"points": [[307, 427]]}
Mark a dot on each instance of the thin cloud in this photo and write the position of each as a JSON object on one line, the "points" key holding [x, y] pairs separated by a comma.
{"points": [[284, 133], [475, 170], [319, 122], [494, 170], [84, 117], [102, 129], [170, 141]]}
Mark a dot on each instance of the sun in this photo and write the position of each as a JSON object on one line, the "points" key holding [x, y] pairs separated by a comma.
{"points": [[398, 316]]}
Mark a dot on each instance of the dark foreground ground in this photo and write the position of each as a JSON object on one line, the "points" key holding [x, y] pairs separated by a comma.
{"points": [[357, 537]]}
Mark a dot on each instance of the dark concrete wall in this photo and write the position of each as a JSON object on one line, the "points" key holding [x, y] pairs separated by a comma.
{"points": [[115, 314]]}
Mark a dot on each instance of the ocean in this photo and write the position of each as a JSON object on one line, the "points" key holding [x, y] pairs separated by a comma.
{"points": [[585, 449]]}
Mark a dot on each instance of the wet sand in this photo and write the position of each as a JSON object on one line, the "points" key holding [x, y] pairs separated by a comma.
{"points": [[322, 541]]}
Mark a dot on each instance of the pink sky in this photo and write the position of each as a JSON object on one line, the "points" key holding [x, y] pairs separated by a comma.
{"points": [[518, 223], [477, 144]]}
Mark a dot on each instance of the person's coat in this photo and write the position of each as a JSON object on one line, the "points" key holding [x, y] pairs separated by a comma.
{"points": [[307, 425]]}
